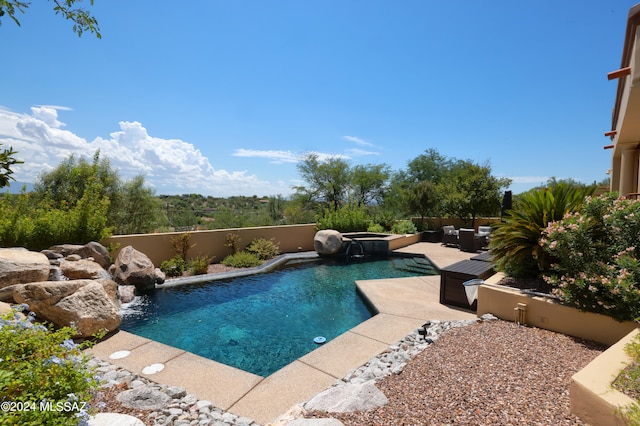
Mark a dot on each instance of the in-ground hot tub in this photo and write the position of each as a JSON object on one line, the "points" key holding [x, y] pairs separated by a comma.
{"points": [[367, 242]]}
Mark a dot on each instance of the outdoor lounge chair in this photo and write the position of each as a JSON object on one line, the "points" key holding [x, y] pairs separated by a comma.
{"points": [[470, 241], [485, 231], [449, 235]]}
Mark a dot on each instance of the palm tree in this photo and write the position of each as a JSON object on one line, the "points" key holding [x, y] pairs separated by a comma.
{"points": [[515, 242]]}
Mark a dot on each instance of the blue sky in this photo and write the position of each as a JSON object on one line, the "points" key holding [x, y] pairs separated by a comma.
{"points": [[225, 98]]}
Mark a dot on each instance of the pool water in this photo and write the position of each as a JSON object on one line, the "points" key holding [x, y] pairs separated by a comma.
{"points": [[260, 323]]}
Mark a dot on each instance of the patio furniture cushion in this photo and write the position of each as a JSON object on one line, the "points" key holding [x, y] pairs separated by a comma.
{"points": [[449, 235]]}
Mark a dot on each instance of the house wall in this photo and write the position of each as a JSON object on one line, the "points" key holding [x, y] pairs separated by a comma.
{"points": [[625, 158]]}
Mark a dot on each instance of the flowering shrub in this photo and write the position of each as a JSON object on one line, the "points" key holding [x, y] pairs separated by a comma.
{"points": [[44, 375], [596, 257]]}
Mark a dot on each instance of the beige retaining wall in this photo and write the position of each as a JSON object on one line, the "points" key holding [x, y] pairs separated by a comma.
{"points": [[291, 239], [544, 313], [591, 396]]}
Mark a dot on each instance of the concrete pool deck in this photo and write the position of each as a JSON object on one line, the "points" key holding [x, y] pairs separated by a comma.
{"points": [[403, 305]]}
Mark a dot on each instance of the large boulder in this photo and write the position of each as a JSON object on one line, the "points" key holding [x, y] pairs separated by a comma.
{"points": [[19, 265], [89, 304], [83, 268], [97, 251], [134, 268], [347, 398], [327, 241], [93, 250]]}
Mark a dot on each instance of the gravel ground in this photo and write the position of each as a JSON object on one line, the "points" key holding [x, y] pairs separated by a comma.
{"points": [[489, 373]]}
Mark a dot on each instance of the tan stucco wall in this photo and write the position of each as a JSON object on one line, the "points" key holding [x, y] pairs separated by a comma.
{"points": [[290, 238], [591, 396], [543, 313], [625, 158]]}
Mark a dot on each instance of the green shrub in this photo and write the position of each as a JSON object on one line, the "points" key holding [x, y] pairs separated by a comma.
{"points": [[264, 249], [36, 226], [403, 227], [199, 265], [515, 242], [181, 244], [45, 372], [596, 257], [233, 243], [173, 267], [242, 259], [375, 227], [345, 219]]}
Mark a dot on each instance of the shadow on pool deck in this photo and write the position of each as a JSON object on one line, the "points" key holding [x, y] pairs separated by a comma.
{"points": [[403, 305]]}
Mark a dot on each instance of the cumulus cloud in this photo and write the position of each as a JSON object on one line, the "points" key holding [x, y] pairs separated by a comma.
{"points": [[169, 165]]}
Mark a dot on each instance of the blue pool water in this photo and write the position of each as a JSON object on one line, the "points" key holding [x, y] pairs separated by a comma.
{"points": [[260, 323]]}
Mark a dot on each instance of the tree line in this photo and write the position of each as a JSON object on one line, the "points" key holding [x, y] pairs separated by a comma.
{"points": [[80, 200]]}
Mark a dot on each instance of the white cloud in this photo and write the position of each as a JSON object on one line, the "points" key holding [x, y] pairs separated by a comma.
{"points": [[48, 114], [355, 152], [357, 140], [276, 157], [169, 165]]}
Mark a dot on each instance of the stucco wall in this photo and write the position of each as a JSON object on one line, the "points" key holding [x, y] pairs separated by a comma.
{"points": [[543, 313], [290, 238], [591, 395]]}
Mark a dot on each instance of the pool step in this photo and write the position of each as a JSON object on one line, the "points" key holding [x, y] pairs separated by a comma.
{"points": [[415, 265]]}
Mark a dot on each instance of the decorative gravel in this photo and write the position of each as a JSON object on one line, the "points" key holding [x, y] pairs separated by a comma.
{"points": [[488, 373]]}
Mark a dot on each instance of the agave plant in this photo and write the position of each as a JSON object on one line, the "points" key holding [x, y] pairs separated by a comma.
{"points": [[515, 242]]}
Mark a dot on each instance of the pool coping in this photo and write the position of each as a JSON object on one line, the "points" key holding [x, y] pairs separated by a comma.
{"points": [[402, 305]]}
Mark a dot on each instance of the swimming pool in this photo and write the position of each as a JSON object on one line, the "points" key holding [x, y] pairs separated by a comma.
{"points": [[260, 323]]}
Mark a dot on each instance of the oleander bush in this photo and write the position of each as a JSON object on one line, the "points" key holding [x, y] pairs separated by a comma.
{"points": [[45, 378], [595, 257], [264, 249]]}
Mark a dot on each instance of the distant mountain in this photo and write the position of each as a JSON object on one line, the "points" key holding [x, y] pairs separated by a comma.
{"points": [[16, 187]]}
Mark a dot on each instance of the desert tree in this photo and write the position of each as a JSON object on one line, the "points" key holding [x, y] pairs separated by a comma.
{"points": [[70, 10], [7, 159]]}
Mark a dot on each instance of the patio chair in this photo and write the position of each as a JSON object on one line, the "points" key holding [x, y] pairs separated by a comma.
{"points": [[485, 231], [470, 241], [449, 235]]}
